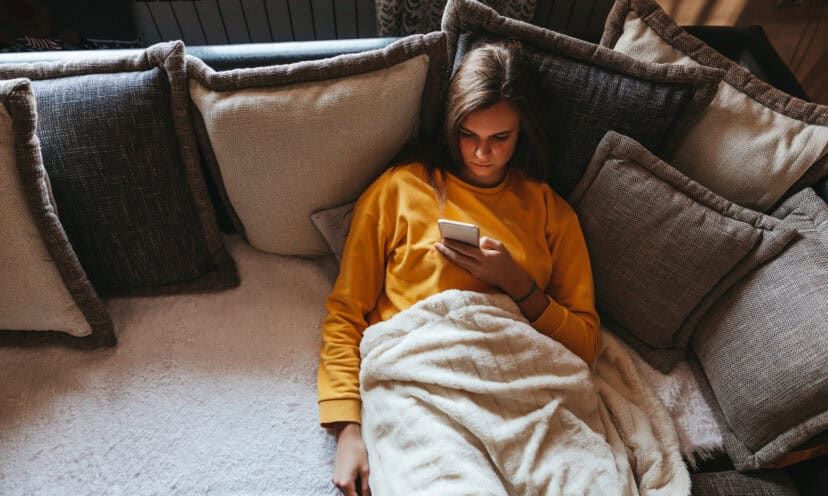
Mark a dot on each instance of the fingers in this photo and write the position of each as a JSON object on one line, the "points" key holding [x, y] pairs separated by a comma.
{"points": [[363, 477], [456, 256], [347, 483], [465, 249], [348, 489], [486, 241]]}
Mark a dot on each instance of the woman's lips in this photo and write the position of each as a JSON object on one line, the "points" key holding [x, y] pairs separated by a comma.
{"points": [[481, 165]]}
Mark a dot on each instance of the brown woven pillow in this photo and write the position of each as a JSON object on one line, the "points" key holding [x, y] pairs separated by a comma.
{"points": [[663, 248], [762, 348]]}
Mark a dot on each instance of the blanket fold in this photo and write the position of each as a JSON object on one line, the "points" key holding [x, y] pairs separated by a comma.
{"points": [[461, 395]]}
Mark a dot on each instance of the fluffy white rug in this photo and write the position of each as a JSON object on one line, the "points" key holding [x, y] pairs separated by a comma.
{"points": [[204, 394]]}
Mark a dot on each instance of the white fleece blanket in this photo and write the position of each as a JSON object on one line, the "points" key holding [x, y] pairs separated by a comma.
{"points": [[462, 396]]}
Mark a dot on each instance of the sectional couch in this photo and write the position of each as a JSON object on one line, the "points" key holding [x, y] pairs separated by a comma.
{"points": [[176, 215]]}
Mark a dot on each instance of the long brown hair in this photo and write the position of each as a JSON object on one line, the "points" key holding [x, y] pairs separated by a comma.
{"points": [[489, 73]]}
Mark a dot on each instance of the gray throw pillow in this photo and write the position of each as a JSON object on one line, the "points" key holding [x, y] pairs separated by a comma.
{"points": [[118, 144], [334, 224], [763, 347], [732, 483], [663, 248], [589, 90], [44, 290]]}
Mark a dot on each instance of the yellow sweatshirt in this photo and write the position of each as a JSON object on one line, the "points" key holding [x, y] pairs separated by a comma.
{"points": [[389, 263]]}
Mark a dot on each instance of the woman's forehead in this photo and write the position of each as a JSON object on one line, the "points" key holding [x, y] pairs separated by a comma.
{"points": [[500, 117]]}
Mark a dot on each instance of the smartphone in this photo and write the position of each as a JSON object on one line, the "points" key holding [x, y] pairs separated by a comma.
{"points": [[459, 231]]}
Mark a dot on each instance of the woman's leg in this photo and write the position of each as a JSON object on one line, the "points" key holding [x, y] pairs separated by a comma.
{"points": [[422, 453]]}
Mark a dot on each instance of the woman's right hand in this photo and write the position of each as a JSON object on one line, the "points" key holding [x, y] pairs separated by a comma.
{"points": [[351, 460]]}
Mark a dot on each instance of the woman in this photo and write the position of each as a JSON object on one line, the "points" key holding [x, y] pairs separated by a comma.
{"points": [[492, 175]]}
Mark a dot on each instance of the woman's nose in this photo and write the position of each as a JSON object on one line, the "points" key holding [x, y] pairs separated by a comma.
{"points": [[483, 149]]}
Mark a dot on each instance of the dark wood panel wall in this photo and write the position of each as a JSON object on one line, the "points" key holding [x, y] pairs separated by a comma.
{"points": [[572, 16], [209, 22]]}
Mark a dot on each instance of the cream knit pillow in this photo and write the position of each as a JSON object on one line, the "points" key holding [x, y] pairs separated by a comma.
{"points": [[286, 141]]}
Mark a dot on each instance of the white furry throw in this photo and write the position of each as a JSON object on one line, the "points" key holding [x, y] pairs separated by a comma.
{"points": [[462, 396]]}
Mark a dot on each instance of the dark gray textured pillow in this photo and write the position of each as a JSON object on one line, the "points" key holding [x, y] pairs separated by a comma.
{"points": [[588, 89], [44, 290], [763, 347], [118, 145], [732, 483], [663, 248]]}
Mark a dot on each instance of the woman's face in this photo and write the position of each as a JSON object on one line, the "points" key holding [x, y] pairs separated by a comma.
{"points": [[487, 139]]}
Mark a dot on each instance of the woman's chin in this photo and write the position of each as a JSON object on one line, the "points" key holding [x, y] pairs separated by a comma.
{"points": [[487, 180]]}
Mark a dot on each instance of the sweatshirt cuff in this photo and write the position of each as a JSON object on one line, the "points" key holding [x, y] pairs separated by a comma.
{"points": [[347, 410], [551, 319]]}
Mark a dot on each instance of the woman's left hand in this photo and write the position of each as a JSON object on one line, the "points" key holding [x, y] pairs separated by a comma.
{"points": [[491, 262]]}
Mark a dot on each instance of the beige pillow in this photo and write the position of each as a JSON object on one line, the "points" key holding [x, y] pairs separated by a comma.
{"points": [[753, 143], [290, 140], [43, 286]]}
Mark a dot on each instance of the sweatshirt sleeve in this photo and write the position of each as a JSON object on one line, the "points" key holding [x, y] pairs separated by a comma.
{"points": [[355, 293], [570, 317]]}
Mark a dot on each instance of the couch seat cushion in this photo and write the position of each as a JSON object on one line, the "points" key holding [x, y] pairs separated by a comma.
{"points": [[205, 393]]}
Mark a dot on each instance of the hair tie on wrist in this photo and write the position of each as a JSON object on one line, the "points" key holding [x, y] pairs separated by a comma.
{"points": [[527, 295]]}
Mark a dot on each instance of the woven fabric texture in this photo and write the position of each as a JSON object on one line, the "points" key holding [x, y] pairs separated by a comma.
{"points": [[754, 144], [732, 483], [120, 152], [287, 141], [44, 287], [663, 248], [762, 345]]}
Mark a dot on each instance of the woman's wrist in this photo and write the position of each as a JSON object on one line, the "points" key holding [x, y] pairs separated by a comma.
{"points": [[529, 297], [346, 427], [525, 296], [522, 289]]}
